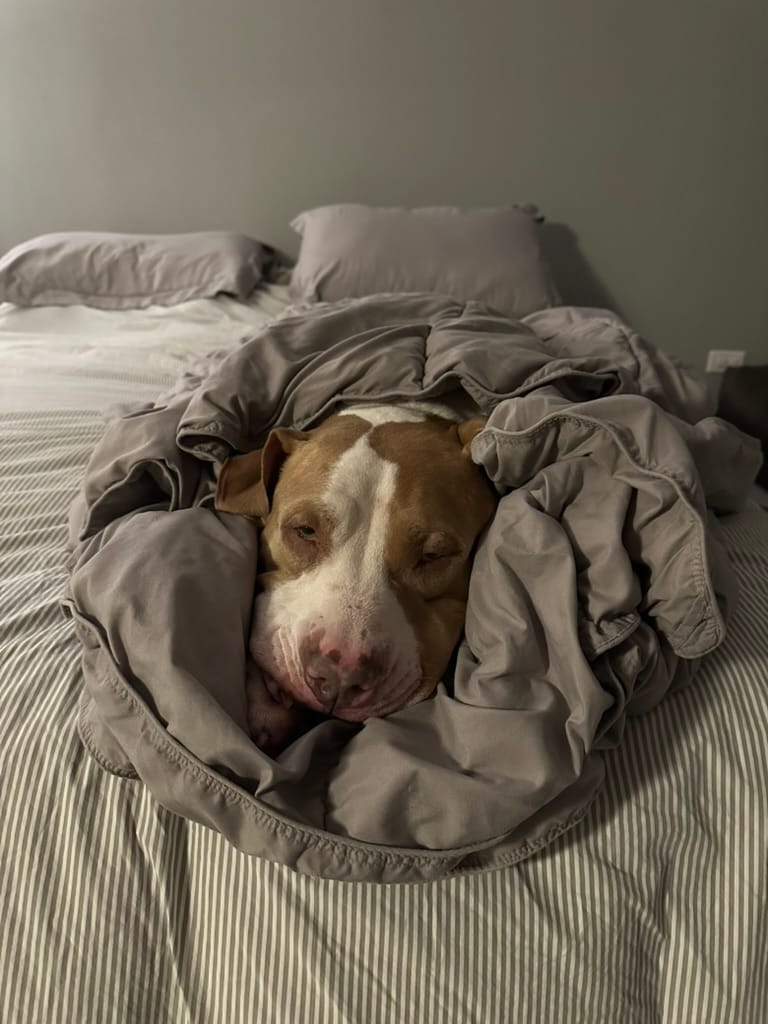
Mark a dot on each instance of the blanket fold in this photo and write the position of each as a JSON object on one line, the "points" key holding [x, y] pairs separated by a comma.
{"points": [[598, 586]]}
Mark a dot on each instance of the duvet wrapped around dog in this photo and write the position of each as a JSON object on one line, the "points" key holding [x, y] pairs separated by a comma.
{"points": [[596, 588]]}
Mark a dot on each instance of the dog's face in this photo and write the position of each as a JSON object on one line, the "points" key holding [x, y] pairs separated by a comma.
{"points": [[368, 532]]}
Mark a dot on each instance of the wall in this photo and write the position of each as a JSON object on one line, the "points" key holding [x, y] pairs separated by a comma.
{"points": [[640, 127]]}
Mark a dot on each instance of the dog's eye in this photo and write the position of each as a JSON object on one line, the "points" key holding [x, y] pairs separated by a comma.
{"points": [[429, 558], [434, 551], [304, 532]]}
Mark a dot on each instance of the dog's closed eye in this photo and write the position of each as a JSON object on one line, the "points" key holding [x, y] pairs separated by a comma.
{"points": [[436, 550], [429, 558]]}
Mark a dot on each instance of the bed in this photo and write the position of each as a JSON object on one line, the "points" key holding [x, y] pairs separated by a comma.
{"points": [[651, 908]]}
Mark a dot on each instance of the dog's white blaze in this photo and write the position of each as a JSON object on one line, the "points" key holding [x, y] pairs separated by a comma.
{"points": [[359, 494], [378, 414], [407, 412]]}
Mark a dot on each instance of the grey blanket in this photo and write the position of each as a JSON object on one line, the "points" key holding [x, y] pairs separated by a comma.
{"points": [[597, 587]]}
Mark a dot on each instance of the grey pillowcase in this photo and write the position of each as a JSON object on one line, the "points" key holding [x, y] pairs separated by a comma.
{"points": [[493, 256], [119, 271]]}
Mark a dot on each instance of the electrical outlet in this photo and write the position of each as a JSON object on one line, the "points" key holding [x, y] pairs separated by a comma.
{"points": [[719, 359]]}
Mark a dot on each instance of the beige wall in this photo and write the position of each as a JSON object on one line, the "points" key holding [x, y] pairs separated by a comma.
{"points": [[642, 125]]}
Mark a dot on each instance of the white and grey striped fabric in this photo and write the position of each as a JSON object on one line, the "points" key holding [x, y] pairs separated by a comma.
{"points": [[653, 909]]}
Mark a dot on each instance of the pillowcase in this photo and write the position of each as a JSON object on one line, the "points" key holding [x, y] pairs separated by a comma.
{"points": [[493, 256], [117, 271]]}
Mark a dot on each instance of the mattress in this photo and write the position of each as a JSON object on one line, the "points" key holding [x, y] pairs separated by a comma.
{"points": [[653, 908]]}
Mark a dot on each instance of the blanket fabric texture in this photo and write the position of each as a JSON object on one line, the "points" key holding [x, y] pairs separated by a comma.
{"points": [[598, 586]]}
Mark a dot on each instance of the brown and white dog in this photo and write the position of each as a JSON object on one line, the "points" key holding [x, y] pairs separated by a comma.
{"points": [[368, 528]]}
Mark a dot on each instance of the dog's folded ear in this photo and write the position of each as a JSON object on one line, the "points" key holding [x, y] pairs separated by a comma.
{"points": [[247, 482], [468, 431]]}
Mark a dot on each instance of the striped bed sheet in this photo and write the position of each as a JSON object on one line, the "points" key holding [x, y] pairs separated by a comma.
{"points": [[113, 909]]}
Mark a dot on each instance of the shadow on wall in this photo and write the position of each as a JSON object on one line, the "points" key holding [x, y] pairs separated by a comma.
{"points": [[577, 282]]}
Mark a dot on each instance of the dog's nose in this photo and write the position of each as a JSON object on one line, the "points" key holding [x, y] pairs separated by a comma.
{"points": [[334, 679], [322, 678]]}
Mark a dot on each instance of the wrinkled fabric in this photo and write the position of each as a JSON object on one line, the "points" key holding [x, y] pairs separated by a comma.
{"points": [[598, 586]]}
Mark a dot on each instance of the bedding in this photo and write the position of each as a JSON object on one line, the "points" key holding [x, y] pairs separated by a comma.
{"points": [[599, 492], [118, 271], [493, 256], [653, 907]]}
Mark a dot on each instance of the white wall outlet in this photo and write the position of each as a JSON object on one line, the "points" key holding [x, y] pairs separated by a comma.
{"points": [[719, 359]]}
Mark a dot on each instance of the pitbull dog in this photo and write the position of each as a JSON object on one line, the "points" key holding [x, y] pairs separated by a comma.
{"points": [[368, 527]]}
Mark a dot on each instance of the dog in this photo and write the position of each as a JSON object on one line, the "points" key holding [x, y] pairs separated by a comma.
{"points": [[368, 527]]}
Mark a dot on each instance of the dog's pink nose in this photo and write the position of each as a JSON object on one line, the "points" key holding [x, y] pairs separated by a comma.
{"points": [[322, 678], [332, 677]]}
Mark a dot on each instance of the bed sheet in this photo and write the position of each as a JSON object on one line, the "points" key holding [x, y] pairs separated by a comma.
{"points": [[651, 909]]}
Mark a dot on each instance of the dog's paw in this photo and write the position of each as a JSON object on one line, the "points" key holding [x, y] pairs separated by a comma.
{"points": [[274, 720]]}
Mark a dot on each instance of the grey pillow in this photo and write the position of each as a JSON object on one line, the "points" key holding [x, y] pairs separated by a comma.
{"points": [[493, 255], [118, 271]]}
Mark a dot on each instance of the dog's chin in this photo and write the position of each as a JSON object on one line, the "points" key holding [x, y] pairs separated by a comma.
{"points": [[379, 708], [380, 704]]}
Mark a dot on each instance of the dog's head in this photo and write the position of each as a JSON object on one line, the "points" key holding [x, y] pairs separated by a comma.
{"points": [[368, 533]]}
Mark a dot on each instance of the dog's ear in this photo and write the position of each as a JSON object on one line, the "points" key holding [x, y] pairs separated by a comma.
{"points": [[468, 431], [247, 482]]}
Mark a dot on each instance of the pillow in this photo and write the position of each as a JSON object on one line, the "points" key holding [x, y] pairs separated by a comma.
{"points": [[115, 271], [492, 256]]}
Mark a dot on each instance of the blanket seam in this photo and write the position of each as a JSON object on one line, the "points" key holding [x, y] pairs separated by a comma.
{"points": [[86, 732], [289, 830]]}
